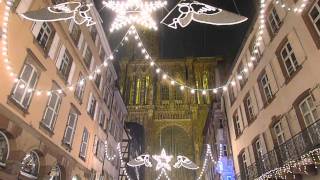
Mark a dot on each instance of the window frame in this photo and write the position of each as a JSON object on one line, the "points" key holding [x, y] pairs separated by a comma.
{"points": [[310, 110], [65, 66], [34, 71], [73, 128], [265, 78], [293, 61], [44, 32], [279, 134], [317, 6], [55, 111], [85, 142], [274, 17]]}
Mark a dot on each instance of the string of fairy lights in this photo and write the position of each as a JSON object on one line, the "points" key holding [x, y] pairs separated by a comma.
{"points": [[294, 167], [295, 8], [132, 31], [107, 156]]}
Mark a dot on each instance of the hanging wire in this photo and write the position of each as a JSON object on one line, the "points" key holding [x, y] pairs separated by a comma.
{"points": [[235, 5]]}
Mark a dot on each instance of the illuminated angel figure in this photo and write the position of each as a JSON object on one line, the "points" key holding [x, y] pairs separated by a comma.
{"points": [[185, 162], [140, 160], [187, 11], [69, 10]]}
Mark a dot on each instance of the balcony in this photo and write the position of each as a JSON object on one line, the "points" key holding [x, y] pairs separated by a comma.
{"points": [[300, 144]]}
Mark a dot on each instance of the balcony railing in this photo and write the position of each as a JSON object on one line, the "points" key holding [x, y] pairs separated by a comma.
{"points": [[300, 144]]}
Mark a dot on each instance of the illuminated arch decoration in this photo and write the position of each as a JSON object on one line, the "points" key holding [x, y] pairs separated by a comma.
{"points": [[77, 11], [187, 11], [4, 149]]}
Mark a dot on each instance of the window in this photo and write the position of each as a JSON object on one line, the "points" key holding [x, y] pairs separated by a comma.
{"points": [[55, 173], [289, 59], [308, 110], [65, 66], [71, 127], [177, 93], [94, 33], [231, 94], [93, 175], [84, 144], [4, 149], [80, 87], [91, 109], [237, 125], [258, 148], [97, 79], [102, 117], [45, 33], [52, 110], [249, 108], [274, 21], [314, 15], [164, 92], [75, 33], [244, 75], [279, 133], [265, 85], [22, 91], [30, 165], [87, 57], [244, 163], [224, 150]]}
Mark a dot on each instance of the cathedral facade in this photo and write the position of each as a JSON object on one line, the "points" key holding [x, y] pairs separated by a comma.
{"points": [[173, 118]]}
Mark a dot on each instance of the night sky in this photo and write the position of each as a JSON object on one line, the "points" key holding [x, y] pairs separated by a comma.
{"points": [[196, 40]]}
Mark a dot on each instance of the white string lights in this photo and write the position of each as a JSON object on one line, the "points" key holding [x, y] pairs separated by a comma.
{"points": [[298, 166], [38, 92], [205, 162], [133, 12], [123, 163], [297, 8], [108, 157]]}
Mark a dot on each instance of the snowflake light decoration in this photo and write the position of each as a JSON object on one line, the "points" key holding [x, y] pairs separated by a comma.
{"points": [[163, 160], [133, 12]]}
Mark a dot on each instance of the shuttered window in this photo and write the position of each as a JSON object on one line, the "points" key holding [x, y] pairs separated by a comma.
{"points": [[52, 110], [71, 127], [84, 144], [23, 89]]}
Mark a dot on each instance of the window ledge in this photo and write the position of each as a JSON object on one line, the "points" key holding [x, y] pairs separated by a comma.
{"points": [[68, 147], [82, 158], [287, 81], [19, 107], [64, 79], [46, 129]]}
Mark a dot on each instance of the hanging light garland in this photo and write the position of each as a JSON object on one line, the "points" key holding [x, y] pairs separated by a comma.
{"points": [[39, 92], [300, 165], [108, 157], [295, 8], [147, 56]]}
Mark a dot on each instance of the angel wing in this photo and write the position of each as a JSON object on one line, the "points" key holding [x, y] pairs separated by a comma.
{"points": [[63, 11], [187, 11], [185, 162], [140, 160]]}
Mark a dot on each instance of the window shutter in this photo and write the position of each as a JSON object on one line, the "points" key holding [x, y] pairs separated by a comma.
{"points": [[73, 68], [70, 128], [71, 25], [89, 102], [96, 112], [61, 53], [95, 144], [54, 46], [84, 49], [36, 28], [92, 64], [23, 6], [80, 42]]}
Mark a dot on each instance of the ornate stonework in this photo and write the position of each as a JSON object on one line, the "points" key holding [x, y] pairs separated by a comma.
{"points": [[173, 119]]}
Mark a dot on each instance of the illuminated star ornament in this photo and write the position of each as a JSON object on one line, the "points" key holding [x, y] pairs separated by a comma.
{"points": [[187, 11], [133, 12], [163, 160], [78, 11]]}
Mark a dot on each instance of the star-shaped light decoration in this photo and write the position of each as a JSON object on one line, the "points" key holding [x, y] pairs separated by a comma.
{"points": [[163, 160], [133, 12]]}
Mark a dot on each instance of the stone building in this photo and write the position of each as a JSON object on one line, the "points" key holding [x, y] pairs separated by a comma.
{"points": [[216, 134], [273, 109], [173, 118], [60, 131]]}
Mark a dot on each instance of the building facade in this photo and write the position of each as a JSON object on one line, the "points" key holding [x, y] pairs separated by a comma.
{"points": [[132, 147], [273, 108], [173, 119], [216, 134], [58, 113]]}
